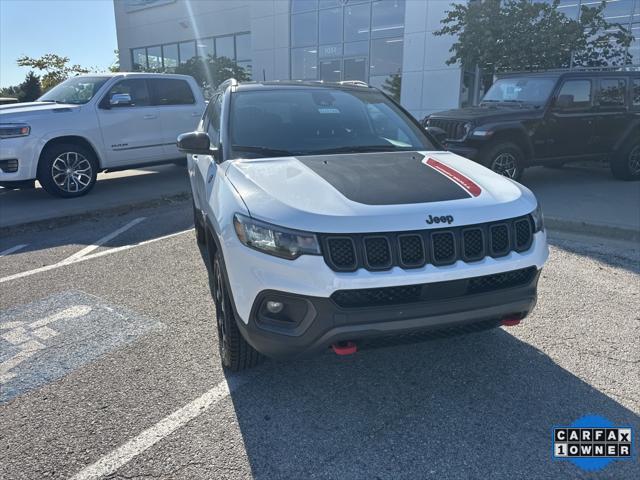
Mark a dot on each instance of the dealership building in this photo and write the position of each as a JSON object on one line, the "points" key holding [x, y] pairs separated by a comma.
{"points": [[387, 43]]}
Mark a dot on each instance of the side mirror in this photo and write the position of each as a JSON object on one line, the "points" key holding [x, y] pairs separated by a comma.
{"points": [[564, 101], [439, 134], [120, 100], [196, 143]]}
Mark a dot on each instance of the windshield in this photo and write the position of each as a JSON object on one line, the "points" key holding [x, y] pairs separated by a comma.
{"points": [[520, 90], [311, 121], [76, 90]]}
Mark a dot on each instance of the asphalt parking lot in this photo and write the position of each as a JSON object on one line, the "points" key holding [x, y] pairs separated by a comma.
{"points": [[109, 368]]}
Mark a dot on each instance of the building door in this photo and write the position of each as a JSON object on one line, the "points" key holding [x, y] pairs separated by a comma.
{"points": [[355, 69]]}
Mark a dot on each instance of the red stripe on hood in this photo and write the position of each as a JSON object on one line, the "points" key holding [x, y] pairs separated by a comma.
{"points": [[454, 175]]}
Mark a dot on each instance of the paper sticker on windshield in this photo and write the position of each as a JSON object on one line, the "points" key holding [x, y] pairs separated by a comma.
{"points": [[328, 110]]}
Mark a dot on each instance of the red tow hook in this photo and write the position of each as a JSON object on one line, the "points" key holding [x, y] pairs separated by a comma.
{"points": [[344, 348], [510, 321]]}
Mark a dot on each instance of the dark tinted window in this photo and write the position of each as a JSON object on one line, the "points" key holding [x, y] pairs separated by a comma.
{"points": [[575, 94], [313, 120], [169, 91], [137, 90], [213, 119], [635, 92], [612, 92]]}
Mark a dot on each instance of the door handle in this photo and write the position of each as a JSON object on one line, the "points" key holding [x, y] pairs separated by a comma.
{"points": [[150, 116]]}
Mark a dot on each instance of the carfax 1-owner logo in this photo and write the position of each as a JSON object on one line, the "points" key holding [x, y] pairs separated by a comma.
{"points": [[592, 442]]}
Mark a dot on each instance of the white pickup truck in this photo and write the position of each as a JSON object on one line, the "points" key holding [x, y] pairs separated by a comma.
{"points": [[93, 123]]}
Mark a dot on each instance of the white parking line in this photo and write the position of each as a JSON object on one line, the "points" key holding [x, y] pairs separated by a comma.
{"points": [[104, 240], [9, 251], [64, 263], [122, 455]]}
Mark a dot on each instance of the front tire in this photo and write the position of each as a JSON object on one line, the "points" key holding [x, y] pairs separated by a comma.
{"points": [[626, 164], [235, 352], [67, 170], [504, 158]]}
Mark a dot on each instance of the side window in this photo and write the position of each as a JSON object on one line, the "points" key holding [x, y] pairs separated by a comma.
{"points": [[612, 92], [135, 88], [213, 119], [635, 92], [170, 91], [575, 95]]}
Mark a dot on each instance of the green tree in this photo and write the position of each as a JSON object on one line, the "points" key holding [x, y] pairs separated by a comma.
{"points": [[115, 66], [30, 89], [510, 35], [56, 68], [392, 85], [11, 92], [211, 71]]}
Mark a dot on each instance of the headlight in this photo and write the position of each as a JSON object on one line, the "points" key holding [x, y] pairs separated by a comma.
{"points": [[11, 130], [479, 132], [279, 241], [538, 219]]}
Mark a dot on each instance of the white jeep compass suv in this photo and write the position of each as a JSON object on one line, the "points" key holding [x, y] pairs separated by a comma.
{"points": [[330, 217], [92, 123]]}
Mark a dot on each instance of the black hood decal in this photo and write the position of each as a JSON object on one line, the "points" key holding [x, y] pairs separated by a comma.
{"points": [[386, 178]]}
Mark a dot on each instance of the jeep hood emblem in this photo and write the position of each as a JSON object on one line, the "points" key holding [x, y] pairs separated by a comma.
{"points": [[441, 219]]}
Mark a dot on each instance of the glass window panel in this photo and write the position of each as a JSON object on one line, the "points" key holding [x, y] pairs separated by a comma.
{"points": [[387, 18], [330, 70], [356, 48], [135, 88], [187, 51], [618, 11], [390, 84], [224, 47], [246, 65], [577, 94], [569, 7], [355, 69], [331, 26], [329, 3], [170, 54], [169, 91], [139, 58], [304, 63], [330, 50], [386, 56], [205, 47], [154, 57], [304, 29], [612, 92], [635, 93], [243, 46], [356, 22], [303, 5]]}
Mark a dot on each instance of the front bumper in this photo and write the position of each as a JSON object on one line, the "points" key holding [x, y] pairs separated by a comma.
{"points": [[252, 275], [324, 322], [22, 149]]}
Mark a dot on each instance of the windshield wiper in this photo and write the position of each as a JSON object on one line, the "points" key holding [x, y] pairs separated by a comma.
{"points": [[267, 152], [361, 149]]}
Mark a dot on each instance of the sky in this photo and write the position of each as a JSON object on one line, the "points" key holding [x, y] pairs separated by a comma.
{"points": [[83, 30]]}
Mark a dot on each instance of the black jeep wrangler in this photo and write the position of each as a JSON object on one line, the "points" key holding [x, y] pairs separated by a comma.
{"points": [[549, 119]]}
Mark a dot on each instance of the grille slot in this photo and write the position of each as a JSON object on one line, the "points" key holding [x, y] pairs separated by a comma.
{"points": [[523, 234], [342, 253], [377, 252], [472, 244], [499, 240], [443, 248], [432, 292], [411, 251]]}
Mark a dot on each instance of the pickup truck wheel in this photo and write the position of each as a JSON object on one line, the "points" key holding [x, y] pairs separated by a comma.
{"points": [[236, 354], [199, 227], [504, 158], [67, 170], [626, 165]]}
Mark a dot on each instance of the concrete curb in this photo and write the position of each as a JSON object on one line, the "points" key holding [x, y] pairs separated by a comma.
{"points": [[63, 220], [593, 229]]}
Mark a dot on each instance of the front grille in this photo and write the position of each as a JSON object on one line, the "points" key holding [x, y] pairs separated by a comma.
{"points": [[382, 251], [429, 292], [455, 129]]}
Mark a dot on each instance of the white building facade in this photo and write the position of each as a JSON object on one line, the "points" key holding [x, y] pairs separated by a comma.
{"points": [[387, 43]]}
